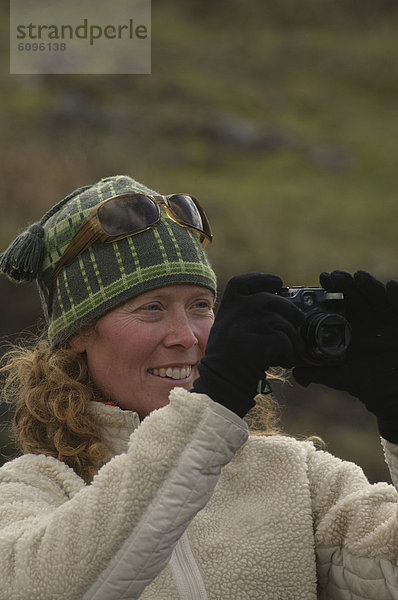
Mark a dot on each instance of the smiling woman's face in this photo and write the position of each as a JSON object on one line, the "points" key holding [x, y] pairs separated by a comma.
{"points": [[139, 351]]}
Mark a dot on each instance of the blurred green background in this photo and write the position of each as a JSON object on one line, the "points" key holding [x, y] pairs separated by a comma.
{"points": [[281, 117]]}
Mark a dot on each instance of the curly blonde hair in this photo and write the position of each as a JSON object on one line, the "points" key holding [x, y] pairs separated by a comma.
{"points": [[51, 392], [263, 418]]}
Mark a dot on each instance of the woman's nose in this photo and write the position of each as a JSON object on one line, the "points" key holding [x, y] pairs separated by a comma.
{"points": [[180, 331]]}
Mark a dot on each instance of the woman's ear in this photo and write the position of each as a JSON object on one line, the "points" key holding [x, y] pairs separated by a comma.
{"points": [[78, 343]]}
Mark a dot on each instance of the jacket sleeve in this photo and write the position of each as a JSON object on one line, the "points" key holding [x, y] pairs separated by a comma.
{"points": [[355, 529], [113, 537]]}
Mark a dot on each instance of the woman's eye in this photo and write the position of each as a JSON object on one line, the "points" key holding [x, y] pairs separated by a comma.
{"points": [[203, 305], [151, 307]]}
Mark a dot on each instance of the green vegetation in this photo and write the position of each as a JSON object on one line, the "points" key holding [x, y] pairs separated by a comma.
{"points": [[281, 117]]}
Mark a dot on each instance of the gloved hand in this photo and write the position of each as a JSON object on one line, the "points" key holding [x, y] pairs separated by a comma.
{"points": [[253, 330], [370, 370]]}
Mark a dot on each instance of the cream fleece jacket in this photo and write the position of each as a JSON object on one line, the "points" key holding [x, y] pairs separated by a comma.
{"points": [[176, 515], [61, 539]]}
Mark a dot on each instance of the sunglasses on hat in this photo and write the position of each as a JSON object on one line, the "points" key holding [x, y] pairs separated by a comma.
{"points": [[128, 214]]}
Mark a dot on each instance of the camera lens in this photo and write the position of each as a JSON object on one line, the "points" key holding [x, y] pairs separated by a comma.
{"points": [[329, 336], [326, 335]]}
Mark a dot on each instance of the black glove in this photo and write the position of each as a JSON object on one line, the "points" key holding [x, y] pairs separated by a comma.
{"points": [[253, 330], [370, 370]]}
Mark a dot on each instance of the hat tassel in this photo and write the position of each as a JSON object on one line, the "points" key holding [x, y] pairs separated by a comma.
{"points": [[22, 259]]}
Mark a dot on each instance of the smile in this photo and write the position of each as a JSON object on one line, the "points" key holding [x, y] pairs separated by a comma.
{"points": [[172, 372]]}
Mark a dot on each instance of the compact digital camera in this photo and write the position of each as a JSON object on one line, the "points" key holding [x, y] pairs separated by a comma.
{"points": [[326, 332]]}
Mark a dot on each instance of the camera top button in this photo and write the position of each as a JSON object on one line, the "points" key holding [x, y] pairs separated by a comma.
{"points": [[308, 299]]}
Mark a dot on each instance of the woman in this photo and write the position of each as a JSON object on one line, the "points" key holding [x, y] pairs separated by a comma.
{"points": [[137, 478]]}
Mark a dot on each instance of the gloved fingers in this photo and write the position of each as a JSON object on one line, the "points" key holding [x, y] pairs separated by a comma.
{"points": [[325, 281], [362, 292], [303, 375], [287, 346], [332, 376], [252, 283], [258, 326], [270, 341], [372, 289], [276, 322], [341, 281], [278, 346], [281, 306], [246, 313], [336, 281]]}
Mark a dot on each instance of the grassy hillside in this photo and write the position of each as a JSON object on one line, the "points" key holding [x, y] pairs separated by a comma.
{"points": [[281, 117]]}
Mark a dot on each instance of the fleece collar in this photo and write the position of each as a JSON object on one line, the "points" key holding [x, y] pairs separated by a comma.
{"points": [[117, 425]]}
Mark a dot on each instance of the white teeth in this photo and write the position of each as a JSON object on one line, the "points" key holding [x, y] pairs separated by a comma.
{"points": [[173, 372]]}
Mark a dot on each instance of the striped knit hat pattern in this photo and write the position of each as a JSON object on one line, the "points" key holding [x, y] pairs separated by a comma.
{"points": [[106, 274]]}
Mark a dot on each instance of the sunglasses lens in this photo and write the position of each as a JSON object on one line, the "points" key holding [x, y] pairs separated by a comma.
{"points": [[127, 214], [188, 213]]}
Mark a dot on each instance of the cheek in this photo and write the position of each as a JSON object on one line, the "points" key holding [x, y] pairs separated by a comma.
{"points": [[203, 332], [114, 366], [124, 347]]}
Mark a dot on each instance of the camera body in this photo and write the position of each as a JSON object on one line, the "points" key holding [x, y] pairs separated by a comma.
{"points": [[326, 332]]}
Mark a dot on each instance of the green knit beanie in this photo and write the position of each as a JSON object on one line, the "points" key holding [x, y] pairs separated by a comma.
{"points": [[106, 274]]}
